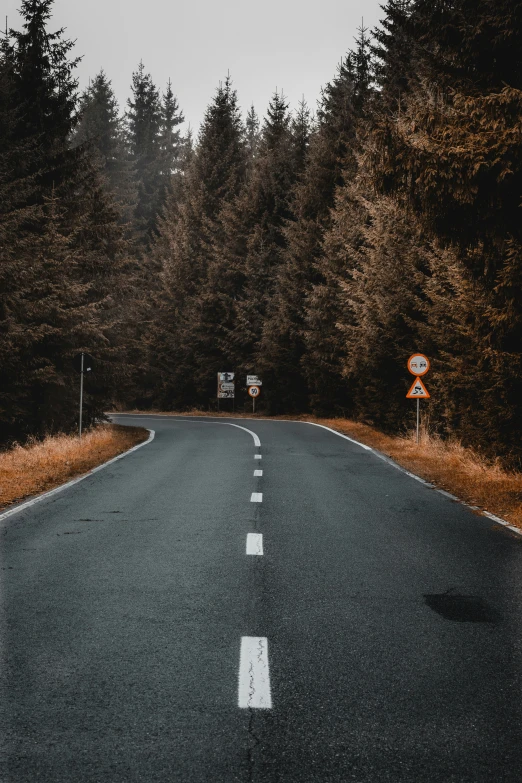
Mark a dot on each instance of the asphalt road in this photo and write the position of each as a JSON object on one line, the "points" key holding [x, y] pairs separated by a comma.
{"points": [[377, 638]]}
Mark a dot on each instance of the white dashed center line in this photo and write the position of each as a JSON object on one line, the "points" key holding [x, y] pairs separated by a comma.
{"points": [[258, 472], [254, 676], [257, 456], [257, 497], [254, 545]]}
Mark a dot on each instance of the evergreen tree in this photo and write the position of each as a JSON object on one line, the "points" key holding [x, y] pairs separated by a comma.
{"points": [[191, 310], [100, 127], [170, 141], [61, 245], [264, 208], [252, 137], [144, 125], [392, 50]]}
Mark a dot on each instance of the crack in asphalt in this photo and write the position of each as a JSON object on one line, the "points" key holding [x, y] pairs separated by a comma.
{"points": [[251, 733], [253, 736]]}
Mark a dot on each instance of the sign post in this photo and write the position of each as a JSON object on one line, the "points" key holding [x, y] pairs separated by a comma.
{"points": [[226, 387], [254, 389], [82, 363], [418, 365], [254, 392]]}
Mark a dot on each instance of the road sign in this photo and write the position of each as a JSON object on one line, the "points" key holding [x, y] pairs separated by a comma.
{"points": [[227, 386], [254, 391], [88, 362], [253, 380], [418, 391], [226, 376], [226, 395], [418, 364]]}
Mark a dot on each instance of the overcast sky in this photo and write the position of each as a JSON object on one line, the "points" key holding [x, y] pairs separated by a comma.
{"points": [[293, 45]]}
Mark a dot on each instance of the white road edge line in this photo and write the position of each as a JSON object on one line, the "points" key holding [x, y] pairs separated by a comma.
{"points": [[257, 497], [61, 488], [258, 472], [377, 454], [254, 675], [340, 434], [254, 544]]}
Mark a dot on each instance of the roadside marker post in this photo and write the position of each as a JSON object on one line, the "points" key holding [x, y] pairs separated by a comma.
{"points": [[418, 365], [81, 394]]}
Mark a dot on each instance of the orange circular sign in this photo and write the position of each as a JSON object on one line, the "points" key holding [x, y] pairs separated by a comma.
{"points": [[254, 391], [418, 364]]}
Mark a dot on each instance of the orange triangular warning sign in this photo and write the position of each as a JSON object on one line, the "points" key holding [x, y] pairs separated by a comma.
{"points": [[418, 390]]}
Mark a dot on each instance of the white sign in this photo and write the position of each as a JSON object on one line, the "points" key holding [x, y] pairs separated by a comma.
{"points": [[226, 376], [418, 364], [226, 395], [227, 386], [254, 391], [253, 380]]}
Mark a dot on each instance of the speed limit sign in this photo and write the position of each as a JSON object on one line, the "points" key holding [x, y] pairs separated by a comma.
{"points": [[254, 391]]}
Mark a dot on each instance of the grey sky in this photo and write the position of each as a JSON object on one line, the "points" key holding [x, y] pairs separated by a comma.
{"points": [[290, 44]]}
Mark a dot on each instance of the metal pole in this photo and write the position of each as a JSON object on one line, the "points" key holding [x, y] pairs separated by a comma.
{"points": [[81, 397], [253, 404], [418, 401]]}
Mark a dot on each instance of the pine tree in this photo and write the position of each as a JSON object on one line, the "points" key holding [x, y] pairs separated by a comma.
{"points": [[170, 141], [185, 349], [144, 127], [252, 137], [100, 127], [343, 117], [392, 50], [452, 152], [278, 352], [302, 311], [264, 207], [62, 243]]}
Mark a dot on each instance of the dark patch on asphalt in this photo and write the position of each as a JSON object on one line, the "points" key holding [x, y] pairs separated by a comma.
{"points": [[462, 608]]}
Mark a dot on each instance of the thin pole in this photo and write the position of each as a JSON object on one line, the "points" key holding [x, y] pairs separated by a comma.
{"points": [[253, 404], [418, 401], [81, 397]]}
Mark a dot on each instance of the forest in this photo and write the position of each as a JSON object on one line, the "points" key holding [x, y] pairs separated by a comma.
{"points": [[317, 248]]}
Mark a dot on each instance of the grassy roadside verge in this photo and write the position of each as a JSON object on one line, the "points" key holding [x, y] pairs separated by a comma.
{"points": [[446, 464], [29, 470]]}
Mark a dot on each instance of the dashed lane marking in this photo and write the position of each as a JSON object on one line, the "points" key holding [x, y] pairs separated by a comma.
{"points": [[254, 544], [257, 497], [383, 457], [258, 472], [254, 674]]}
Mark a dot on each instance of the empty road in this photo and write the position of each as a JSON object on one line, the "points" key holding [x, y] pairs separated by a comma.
{"points": [[261, 602]]}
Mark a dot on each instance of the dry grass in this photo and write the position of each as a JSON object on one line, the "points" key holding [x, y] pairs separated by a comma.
{"points": [[447, 464], [42, 465]]}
